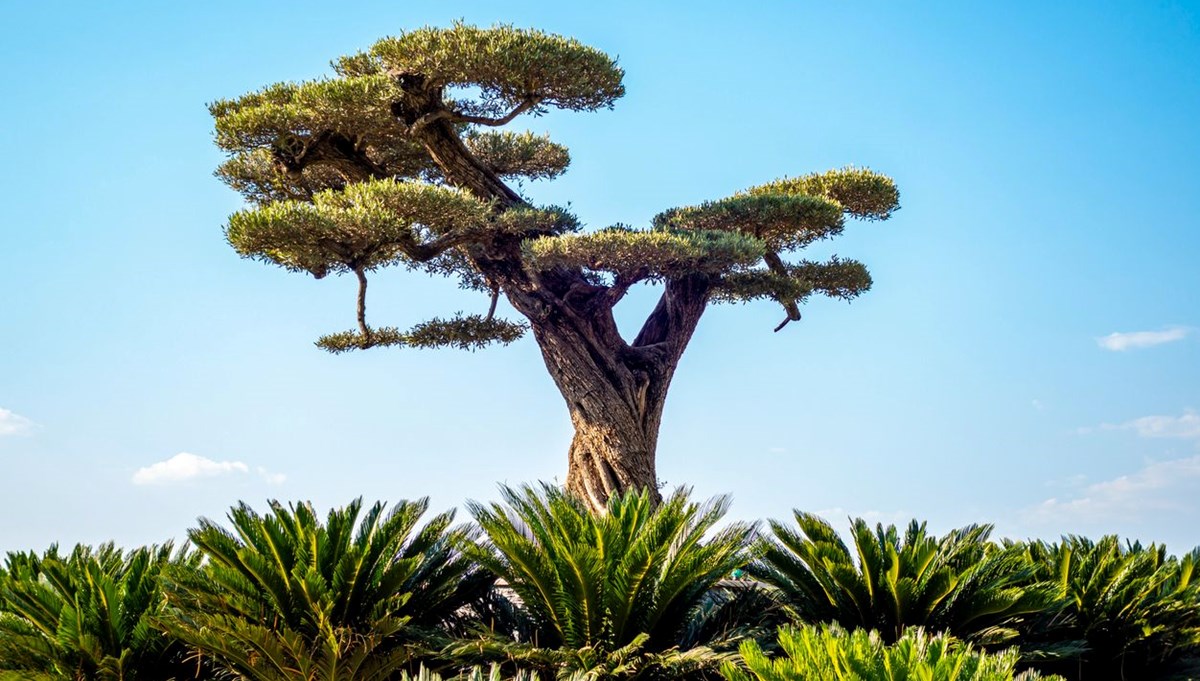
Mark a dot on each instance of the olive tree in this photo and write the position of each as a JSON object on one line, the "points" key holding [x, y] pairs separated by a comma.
{"points": [[397, 159]]}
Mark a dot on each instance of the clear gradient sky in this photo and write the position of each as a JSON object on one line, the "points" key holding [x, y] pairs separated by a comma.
{"points": [[1048, 160]]}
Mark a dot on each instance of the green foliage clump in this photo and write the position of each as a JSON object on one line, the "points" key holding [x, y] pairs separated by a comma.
{"points": [[465, 332], [960, 583], [830, 653], [781, 221], [366, 226], [1130, 611], [616, 593], [88, 615], [519, 155], [838, 278], [862, 193], [646, 254], [287, 597], [509, 65]]}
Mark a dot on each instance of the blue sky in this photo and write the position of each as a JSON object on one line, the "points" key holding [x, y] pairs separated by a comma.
{"points": [[1047, 161]]}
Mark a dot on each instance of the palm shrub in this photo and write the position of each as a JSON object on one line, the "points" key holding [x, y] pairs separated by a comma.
{"points": [[619, 593], [87, 615], [830, 653], [494, 673], [1130, 612], [960, 583], [285, 597]]}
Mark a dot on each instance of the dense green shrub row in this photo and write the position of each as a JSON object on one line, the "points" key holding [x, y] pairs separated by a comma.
{"points": [[539, 587]]}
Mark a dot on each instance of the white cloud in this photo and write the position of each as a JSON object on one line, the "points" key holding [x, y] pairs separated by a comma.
{"points": [[13, 424], [1184, 427], [271, 478], [1164, 485], [1119, 342], [183, 467]]}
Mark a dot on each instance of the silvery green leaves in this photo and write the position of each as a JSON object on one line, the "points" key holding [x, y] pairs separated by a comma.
{"points": [[465, 332], [781, 221], [366, 226], [837, 278], [519, 155], [861, 192], [641, 254], [508, 65], [788, 215]]}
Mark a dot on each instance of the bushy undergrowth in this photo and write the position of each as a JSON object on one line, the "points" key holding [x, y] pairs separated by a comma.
{"points": [[540, 588]]}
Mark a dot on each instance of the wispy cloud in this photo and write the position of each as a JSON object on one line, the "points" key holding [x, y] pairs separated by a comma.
{"points": [[1119, 342], [271, 478], [1184, 427], [837, 514], [1163, 485], [183, 467], [13, 424]]}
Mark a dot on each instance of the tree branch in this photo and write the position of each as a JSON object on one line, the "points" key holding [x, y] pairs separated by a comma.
{"points": [[495, 299], [335, 148], [362, 305], [775, 264], [622, 283], [675, 317], [525, 105], [432, 249]]}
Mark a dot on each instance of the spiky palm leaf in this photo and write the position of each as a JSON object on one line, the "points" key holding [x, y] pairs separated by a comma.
{"points": [[961, 583], [88, 615], [830, 653], [612, 593], [285, 597], [1134, 609]]}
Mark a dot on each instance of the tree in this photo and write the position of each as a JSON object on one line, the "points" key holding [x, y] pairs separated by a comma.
{"points": [[393, 162]]}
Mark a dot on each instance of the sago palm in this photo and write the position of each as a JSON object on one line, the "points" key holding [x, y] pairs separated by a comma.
{"points": [[960, 583], [616, 593], [87, 615], [830, 653], [286, 597], [1134, 609]]}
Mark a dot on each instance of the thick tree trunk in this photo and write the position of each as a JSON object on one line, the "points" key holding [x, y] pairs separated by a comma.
{"points": [[615, 392], [608, 456]]}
